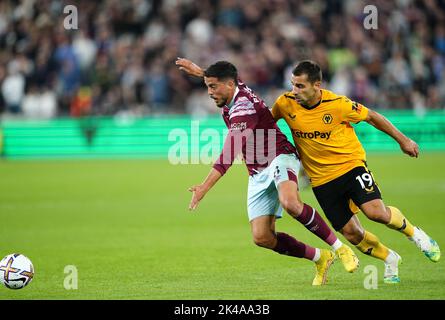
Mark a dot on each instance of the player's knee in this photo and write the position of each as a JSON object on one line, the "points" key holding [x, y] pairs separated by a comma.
{"points": [[264, 240], [379, 213], [292, 205]]}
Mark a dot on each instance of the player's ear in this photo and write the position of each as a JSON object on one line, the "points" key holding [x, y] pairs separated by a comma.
{"points": [[317, 84]]}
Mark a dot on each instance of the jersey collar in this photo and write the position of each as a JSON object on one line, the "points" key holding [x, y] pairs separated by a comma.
{"points": [[230, 105], [315, 105]]}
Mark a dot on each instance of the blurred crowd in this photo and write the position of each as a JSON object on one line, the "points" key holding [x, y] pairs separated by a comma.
{"points": [[120, 58]]}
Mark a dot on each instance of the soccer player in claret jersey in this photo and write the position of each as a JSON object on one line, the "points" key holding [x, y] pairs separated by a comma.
{"points": [[335, 161], [272, 164]]}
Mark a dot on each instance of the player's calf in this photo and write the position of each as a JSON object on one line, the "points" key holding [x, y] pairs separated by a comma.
{"points": [[312, 220], [305, 214], [288, 245], [353, 233], [399, 222], [372, 246]]}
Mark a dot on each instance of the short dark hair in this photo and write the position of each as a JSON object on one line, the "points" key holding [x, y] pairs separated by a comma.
{"points": [[222, 70], [309, 67]]}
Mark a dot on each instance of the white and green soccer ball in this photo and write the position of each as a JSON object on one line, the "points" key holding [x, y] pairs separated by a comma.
{"points": [[16, 271]]}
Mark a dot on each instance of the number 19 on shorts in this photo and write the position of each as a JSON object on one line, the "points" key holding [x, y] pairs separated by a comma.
{"points": [[366, 181]]}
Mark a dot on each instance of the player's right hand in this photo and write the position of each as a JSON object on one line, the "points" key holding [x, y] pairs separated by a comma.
{"points": [[410, 147], [189, 67], [198, 194]]}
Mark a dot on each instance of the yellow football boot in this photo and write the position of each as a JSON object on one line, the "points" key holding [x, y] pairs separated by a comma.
{"points": [[348, 258], [322, 266]]}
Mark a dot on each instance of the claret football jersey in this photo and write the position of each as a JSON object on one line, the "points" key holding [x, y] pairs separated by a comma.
{"points": [[325, 139], [252, 132]]}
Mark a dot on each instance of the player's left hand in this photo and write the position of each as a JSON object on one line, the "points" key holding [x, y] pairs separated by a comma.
{"points": [[198, 194], [189, 67], [410, 147]]}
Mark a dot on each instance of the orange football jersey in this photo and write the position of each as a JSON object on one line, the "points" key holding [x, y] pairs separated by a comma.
{"points": [[323, 135]]}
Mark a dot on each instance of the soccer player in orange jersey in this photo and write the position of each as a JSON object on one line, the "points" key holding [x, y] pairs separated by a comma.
{"points": [[335, 161]]}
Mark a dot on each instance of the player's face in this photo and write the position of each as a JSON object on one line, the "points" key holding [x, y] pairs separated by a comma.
{"points": [[221, 91], [305, 92]]}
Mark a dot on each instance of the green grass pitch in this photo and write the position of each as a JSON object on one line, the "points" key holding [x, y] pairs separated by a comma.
{"points": [[125, 226]]}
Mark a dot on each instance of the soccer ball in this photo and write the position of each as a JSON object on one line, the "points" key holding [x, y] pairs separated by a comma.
{"points": [[16, 271]]}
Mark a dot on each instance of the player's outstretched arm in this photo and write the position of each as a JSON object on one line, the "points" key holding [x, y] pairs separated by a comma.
{"points": [[200, 191], [189, 67], [407, 145]]}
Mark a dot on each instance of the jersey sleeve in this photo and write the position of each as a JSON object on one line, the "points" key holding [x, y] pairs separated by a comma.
{"points": [[242, 121], [352, 111], [277, 106]]}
